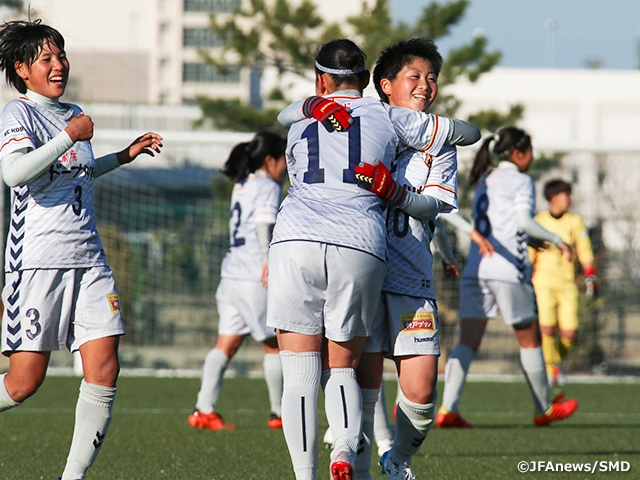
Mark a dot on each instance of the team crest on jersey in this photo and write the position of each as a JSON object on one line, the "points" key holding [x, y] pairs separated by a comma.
{"points": [[428, 160], [114, 302], [418, 322]]}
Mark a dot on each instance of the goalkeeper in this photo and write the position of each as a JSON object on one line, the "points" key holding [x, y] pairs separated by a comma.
{"points": [[554, 279]]}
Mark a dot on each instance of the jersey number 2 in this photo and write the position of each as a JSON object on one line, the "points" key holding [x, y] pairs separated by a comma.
{"points": [[314, 173]]}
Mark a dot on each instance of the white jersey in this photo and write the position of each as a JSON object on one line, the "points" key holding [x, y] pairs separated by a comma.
{"points": [[324, 203], [254, 200], [498, 195], [52, 220], [410, 262]]}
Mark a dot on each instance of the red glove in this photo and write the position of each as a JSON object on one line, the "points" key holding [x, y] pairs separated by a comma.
{"points": [[591, 281], [377, 179], [331, 114]]}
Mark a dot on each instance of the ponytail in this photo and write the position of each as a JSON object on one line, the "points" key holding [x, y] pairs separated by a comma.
{"points": [[247, 157]]}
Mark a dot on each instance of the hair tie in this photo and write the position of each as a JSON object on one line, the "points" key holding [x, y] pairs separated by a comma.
{"points": [[338, 71]]}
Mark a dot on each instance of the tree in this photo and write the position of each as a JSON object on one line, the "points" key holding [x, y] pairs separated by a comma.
{"points": [[277, 34]]}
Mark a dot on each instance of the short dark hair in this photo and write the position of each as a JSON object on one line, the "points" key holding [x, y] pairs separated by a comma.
{"points": [[556, 186], [22, 41], [343, 54], [395, 57]]}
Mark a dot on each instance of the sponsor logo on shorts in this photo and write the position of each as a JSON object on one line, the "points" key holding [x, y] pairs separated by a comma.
{"points": [[418, 322], [114, 302], [423, 339]]}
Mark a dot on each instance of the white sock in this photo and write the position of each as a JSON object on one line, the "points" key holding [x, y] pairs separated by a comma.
{"points": [[413, 422], [6, 402], [93, 416], [363, 460], [301, 373], [272, 366], [213, 370], [535, 372], [382, 431], [455, 376], [343, 406]]}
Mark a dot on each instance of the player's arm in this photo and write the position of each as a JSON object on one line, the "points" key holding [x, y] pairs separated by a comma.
{"points": [[25, 164], [264, 232], [332, 115], [527, 224], [585, 255], [457, 221], [442, 245]]}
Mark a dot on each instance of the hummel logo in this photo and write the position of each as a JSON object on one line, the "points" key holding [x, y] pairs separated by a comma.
{"points": [[97, 443]]}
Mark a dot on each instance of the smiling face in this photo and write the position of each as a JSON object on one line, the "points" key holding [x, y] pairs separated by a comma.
{"points": [[415, 86], [48, 74]]}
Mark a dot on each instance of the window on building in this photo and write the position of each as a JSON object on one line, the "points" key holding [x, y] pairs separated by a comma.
{"points": [[203, 73], [201, 37], [210, 5]]}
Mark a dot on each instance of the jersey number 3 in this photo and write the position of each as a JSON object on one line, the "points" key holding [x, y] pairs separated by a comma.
{"points": [[314, 173]]}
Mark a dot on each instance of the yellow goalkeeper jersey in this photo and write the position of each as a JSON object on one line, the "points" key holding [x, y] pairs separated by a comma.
{"points": [[549, 265]]}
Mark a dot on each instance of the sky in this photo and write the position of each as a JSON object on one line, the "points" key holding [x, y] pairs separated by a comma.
{"points": [[546, 33]]}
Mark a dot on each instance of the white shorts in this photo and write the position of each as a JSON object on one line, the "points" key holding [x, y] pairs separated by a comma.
{"points": [[481, 299], [410, 325], [49, 310], [242, 308], [316, 288]]}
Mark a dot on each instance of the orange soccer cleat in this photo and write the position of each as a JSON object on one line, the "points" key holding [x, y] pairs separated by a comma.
{"points": [[274, 421], [559, 410], [447, 419], [341, 466], [211, 421]]}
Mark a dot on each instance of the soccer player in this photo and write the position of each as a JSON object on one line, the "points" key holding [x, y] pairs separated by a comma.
{"points": [[327, 257], [406, 75], [554, 280], [503, 209], [257, 167], [59, 291]]}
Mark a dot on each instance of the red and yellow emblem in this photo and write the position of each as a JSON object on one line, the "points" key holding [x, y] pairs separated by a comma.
{"points": [[114, 302], [418, 322], [428, 160]]}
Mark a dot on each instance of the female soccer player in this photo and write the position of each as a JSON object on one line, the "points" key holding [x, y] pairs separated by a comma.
{"points": [[503, 210], [327, 255], [59, 291], [257, 168]]}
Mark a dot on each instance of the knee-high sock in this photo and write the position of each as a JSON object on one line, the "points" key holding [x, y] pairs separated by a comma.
{"points": [[6, 402], [566, 345], [536, 374], [301, 373], [213, 370], [455, 376], [551, 352], [272, 366], [413, 422], [93, 416], [382, 431], [343, 406], [363, 460]]}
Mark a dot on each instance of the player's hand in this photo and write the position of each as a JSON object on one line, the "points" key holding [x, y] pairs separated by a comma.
{"points": [[264, 277], [590, 280], [451, 270], [331, 114], [149, 144], [537, 244], [566, 251], [484, 245], [80, 128], [377, 179]]}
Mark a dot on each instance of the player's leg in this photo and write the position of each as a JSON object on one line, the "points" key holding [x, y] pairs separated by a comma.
{"points": [[532, 361], [301, 370], [213, 369], [26, 373], [382, 431], [95, 403], [568, 319], [272, 366], [547, 301]]}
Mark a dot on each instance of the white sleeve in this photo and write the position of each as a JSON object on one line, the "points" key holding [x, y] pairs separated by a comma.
{"points": [[264, 231], [422, 207], [106, 164], [419, 130], [291, 114], [23, 165], [458, 222], [527, 224], [462, 133]]}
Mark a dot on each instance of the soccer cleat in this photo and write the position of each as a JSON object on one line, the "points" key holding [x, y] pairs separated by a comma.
{"points": [[447, 419], [211, 421], [341, 466], [275, 421], [394, 471], [559, 410], [384, 445]]}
